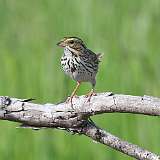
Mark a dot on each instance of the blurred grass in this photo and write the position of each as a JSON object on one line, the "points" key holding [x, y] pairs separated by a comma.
{"points": [[128, 34]]}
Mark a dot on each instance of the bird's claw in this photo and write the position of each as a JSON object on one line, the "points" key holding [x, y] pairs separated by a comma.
{"points": [[89, 95], [70, 100]]}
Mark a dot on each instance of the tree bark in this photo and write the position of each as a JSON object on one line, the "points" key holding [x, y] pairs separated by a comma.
{"points": [[76, 118]]}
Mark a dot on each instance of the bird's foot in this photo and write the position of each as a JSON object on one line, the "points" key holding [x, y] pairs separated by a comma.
{"points": [[89, 95], [70, 100]]}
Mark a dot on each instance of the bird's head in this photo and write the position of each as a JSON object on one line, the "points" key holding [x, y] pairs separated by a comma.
{"points": [[72, 42]]}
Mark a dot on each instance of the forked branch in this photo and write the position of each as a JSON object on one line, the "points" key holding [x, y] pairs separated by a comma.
{"points": [[77, 118]]}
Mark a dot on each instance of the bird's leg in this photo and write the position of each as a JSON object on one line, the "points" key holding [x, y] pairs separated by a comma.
{"points": [[90, 94], [73, 93]]}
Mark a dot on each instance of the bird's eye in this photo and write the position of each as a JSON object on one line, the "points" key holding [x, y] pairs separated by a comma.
{"points": [[71, 42]]}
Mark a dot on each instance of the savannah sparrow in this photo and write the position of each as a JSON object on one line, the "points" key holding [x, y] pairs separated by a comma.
{"points": [[80, 63]]}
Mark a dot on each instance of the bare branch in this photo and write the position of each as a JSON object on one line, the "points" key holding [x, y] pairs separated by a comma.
{"points": [[110, 140], [76, 119], [109, 102]]}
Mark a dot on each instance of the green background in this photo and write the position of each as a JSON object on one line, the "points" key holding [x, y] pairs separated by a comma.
{"points": [[127, 32]]}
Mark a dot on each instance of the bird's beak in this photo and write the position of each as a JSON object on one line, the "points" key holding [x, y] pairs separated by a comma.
{"points": [[61, 44]]}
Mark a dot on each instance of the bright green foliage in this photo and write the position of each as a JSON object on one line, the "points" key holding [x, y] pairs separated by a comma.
{"points": [[127, 32]]}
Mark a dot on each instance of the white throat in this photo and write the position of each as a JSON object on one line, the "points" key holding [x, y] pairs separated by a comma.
{"points": [[70, 50]]}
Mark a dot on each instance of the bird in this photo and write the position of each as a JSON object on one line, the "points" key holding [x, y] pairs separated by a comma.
{"points": [[79, 63]]}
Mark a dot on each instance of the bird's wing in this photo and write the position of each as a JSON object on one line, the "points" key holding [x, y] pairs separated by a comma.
{"points": [[91, 59]]}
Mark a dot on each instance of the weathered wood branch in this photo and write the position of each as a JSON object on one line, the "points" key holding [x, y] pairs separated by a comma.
{"points": [[76, 118]]}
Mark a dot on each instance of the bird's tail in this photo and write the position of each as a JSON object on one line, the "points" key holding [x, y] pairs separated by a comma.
{"points": [[99, 56]]}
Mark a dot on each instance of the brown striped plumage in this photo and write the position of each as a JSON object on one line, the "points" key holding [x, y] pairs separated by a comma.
{"points": [[80, 63]]}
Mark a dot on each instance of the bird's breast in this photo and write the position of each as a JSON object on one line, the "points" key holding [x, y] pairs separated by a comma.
{"points": [[77, 69]]}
